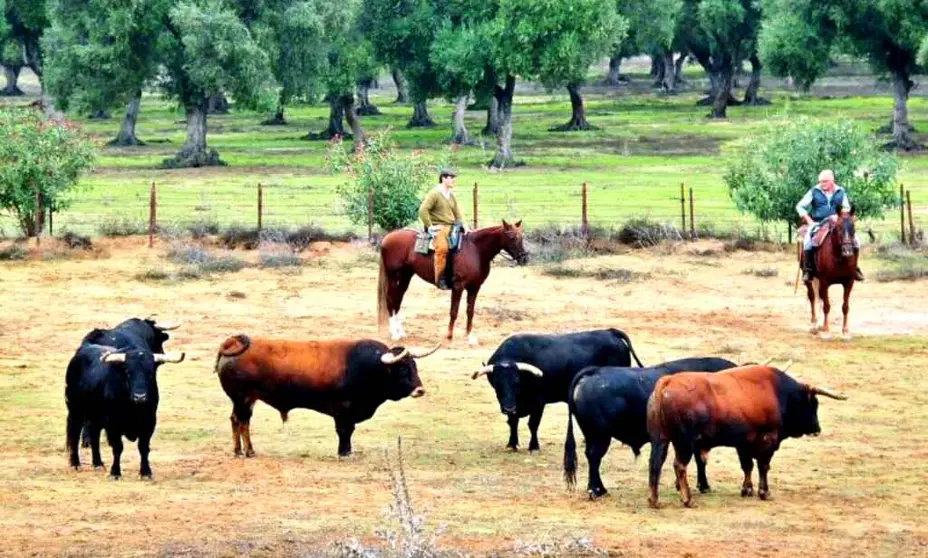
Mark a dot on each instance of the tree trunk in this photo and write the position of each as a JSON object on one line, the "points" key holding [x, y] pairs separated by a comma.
{"points": [[614, 78], [126, 135], [99, 114], [336, 121], [195, 153], [722, 92], [503, 97], [278, 119], [750, 95], [218, 104], [365, 107], [492, 127], [578, 117], [678, 69], [716, 80], [668, 81], [12, 79], [902, 136], [420, 116], [458, 130], [658, 69], [401, 95], [351, 115]]}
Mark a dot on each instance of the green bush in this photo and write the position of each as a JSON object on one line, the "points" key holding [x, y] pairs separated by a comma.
{"points": [[398, 180], [38, 155], [121, 226], [778, 167]]}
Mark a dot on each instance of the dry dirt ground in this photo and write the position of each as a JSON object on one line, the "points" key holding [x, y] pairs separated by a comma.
{"points": [[859, 489]]}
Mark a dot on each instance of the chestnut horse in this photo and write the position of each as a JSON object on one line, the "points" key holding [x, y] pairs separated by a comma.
{"points": [[835, 263], [399, 262]]}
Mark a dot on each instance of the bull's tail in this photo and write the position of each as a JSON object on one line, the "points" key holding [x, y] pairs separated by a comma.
{"points": [[659, 442], [231, 348], [382, 296], [570, 444], [628, 342]]}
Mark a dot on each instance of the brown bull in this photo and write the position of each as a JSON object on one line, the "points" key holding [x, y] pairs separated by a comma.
{"points": [[751, 408], [344, 379]]}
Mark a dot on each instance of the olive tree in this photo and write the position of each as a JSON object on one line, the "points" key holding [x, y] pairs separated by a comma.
{"points": [[774, 170]]}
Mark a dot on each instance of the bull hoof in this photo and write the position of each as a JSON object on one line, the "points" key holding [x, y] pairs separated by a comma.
{"points": [[747, 492], [512, 449], [813, 329], [76, 468], [98, 467], [654, 504], [705, 489], [238, 453], [689, 504], [145, 476], [597, 493], [250, 453], [344, 456], [115, 477], [764, 495]]}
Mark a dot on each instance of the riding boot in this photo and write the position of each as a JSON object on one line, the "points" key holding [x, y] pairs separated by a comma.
{"points": [[858, 274], [808, 265]]}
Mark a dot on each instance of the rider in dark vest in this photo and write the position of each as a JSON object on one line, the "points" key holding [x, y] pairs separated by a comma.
{"points": [[822, 202]]}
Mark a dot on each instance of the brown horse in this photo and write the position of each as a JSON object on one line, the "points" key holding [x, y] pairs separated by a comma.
{"points": [[835, 263], [399, 262]]}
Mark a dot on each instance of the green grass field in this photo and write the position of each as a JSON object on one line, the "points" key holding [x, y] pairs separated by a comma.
{"points": [[647, 145]]}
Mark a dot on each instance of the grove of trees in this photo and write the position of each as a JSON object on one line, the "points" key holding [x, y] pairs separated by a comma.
{"points": [[98, 56]]}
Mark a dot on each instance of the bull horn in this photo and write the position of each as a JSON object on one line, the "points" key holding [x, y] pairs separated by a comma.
{"points": [[170, 357], [484, 370], [390, 358], [112, 358], [766, 362], [416, 354], [788, 364], [826, 392], [530, 368], [168, 326]]}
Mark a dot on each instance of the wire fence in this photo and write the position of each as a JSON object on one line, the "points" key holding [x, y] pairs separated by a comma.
{"points": [[694, 212]]}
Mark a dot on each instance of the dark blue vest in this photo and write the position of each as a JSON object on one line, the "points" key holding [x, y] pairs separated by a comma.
{"points": [[821, 209]]}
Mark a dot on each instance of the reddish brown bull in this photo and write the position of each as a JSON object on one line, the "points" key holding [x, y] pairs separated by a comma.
{"points": [[344, 379], [751, 408]]}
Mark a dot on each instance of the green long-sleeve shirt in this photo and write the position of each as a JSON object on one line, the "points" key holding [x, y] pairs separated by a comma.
{"points": [[436, 209]]}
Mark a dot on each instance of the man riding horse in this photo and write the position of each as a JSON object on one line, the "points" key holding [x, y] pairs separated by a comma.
{"points": [[439, 213], [822, 203]]}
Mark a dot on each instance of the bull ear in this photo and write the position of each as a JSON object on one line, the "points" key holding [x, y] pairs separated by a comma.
{"points": [[518, 224], [506, 226]]}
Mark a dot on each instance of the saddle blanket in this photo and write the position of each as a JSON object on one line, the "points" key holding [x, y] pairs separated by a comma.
{"points": [[425, 241], [819, 232]]}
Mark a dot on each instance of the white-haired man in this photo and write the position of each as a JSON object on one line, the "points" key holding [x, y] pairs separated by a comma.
{"points": [[823, 202]]}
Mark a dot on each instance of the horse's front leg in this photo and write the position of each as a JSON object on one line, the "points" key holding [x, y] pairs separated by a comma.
{"points": [[471, 303], [810, 289], [826, 308], [846, 308], [455, 304]]}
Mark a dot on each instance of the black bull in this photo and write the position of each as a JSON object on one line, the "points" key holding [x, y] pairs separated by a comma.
{"points": [[612, 402], [529, 371]]}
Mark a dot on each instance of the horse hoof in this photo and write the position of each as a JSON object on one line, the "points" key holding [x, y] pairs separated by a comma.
{"points": [[847, 336], [826, 335], [813, 329], [472, 340]]}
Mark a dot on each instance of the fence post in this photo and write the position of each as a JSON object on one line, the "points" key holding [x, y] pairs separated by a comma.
{"points": [[38, 214], [51, 222], [789, 232], [475, 206], [692, 216], [902, 212], [260, 208], [682, 209], [152, 215], [370, 215], [584, 222], [908, 197]]}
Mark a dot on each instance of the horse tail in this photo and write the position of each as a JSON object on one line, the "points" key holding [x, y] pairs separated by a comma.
{"points": [[382, 295]]}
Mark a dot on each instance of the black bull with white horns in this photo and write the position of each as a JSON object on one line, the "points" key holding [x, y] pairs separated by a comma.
{"points": [[111, 384], [529, 371]]}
